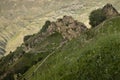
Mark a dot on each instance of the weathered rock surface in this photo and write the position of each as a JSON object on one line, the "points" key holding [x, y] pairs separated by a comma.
{"points": [[68, 27], [110, 11]]}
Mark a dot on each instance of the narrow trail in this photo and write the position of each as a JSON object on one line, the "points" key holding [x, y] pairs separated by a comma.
{"points": [[61, 44]]}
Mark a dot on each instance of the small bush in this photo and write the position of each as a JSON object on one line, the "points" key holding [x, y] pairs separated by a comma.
{"points": [[45, 26], [96, 17], [27, 37]]}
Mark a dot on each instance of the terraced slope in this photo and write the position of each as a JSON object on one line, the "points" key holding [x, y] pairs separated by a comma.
{"points": [[19, 18]]}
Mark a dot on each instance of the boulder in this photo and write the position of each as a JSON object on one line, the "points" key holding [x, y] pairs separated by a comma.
{"points": [[110, 11]]}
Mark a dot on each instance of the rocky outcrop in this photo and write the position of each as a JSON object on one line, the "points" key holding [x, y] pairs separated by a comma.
{"points": [[110, 11], [67, 26]]}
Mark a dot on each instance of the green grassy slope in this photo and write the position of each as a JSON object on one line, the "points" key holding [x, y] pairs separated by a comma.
{"points": [[95, 55], [19, 61]]}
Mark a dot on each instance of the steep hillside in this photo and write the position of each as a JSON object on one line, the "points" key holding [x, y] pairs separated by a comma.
{"points": [[64, 49], [94, 56], [36, 47], [24, 17]]}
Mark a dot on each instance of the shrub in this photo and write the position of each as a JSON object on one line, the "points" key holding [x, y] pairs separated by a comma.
{"points": [[45, 26], [27, 37], [96, 17]]}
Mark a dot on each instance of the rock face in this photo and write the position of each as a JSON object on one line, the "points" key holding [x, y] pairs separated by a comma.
{"points": [[110, 11], [68, 27]]}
